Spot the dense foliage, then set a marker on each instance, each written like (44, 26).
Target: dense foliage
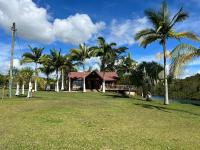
(188, 88)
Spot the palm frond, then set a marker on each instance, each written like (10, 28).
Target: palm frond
(179, 35)
(143, 33)
(153, 17)
(148, 40)
(101, 41)
(179, 17)
(164, 12)
(180, 56)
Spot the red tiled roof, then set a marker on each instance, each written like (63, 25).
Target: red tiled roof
(108, 76)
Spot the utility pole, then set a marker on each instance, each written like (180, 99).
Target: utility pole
(13, 30)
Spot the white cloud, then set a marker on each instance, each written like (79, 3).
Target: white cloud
(195, 62)
(5, 65)
(34, 23)
(124, 32)
(147, 58)
(93, 62)
(76, 29)
(5, 58)
(186, 73)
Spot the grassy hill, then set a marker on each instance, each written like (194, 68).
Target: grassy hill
(90, 121)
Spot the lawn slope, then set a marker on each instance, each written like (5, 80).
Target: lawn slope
(90, 121)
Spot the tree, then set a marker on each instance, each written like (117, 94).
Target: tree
(67, 66)
(56, 59)
(3, 80)
(180, 56)
(79, 56)
(108, 54)
(47, 67)
(126, 65)
(162, 30)
(146, 71)
(25, 75)
(33, 57)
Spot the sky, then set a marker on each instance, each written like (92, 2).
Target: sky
(63, 24)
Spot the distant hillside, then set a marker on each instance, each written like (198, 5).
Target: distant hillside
(188, 88)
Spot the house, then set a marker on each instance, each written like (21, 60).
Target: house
(93, 80)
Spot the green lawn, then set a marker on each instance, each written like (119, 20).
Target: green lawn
(94, 121)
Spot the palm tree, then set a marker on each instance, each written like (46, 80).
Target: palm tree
(47, 67)
(128, 64)
(33, 57)
(108, 54)
(56, 59)
(66, 67)
(25, 76)
(162, 30)
(180, 56)
(79, 56)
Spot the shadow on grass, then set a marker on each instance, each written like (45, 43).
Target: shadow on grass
(116, 95)
(192, 102)
(165, 109)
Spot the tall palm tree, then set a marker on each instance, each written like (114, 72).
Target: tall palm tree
(108, 54)
(79, 56)
(33, 57)
(66, 67)
(162, 30)
(47, 67)
(126, 65)
(180, 56)
(56, 58)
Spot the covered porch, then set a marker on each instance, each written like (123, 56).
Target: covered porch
(91, 81)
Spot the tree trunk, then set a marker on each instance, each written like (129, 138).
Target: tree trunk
(103, 88)
(23, 88)
(36, 77)
(84, 88)
(29, 90)
(47, 85)
(166, 100)
(57, 83)
(17, 89)
(69, 84)
(62, 87)
(103, 85)
(35, 85)
(57, 86)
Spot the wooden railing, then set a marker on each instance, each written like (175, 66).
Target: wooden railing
(120, 87)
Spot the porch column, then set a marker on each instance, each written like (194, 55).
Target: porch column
(84, 89)
(69, 84)
(104, 88)
(62, 86)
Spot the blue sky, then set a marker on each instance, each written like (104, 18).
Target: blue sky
(66, 23)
